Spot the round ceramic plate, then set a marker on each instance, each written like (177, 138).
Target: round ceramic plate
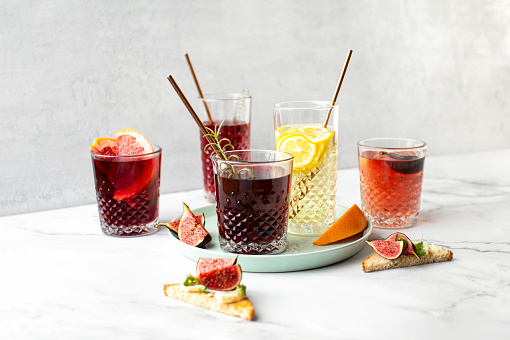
(301, 253)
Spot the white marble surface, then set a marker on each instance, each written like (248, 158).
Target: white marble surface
(63, 279)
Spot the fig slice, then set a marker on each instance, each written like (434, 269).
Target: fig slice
(190, 231)
(174, 226)
(226, 278)
(410, 245)
(205, 264)
(388, 249)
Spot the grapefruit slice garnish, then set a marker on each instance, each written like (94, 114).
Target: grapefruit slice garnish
(104, 146)
(132, 142)
(129, 142)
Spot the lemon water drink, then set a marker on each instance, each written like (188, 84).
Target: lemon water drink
(312, 207)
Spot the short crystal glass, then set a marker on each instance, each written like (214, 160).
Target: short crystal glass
(391, 174)
(299, 125)
(252, 200)
(232, 111)
(127, 192)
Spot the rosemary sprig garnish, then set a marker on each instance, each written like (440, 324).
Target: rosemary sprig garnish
(219, 148)
(215, 135)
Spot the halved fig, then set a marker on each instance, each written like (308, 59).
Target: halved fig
(226, 278)
(388, 249)
(410, 245)
(206, 264)
(190, 231)
(174, 226)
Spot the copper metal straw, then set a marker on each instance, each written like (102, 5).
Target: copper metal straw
(338, 85)
(195, 117)
(198, 88)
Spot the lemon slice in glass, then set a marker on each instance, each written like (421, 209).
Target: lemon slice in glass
(316, 133)
(302, 149)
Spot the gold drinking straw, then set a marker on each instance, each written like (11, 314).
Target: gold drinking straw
(310, 176)
(198, 88)
(338, 85)
(195, 117)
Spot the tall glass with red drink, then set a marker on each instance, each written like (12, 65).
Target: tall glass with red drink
(391, 174)
(252, 200)
(127, 192)
(232, 111)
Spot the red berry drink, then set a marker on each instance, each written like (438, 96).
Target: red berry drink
(252, 201)
(127, 191)
(238, 132)
(391, 187)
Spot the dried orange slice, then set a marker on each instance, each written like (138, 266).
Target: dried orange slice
(104, 146)
(132, 142)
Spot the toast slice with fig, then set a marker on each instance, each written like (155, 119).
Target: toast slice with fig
(242, 309)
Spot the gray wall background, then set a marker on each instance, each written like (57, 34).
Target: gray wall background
(71, 71)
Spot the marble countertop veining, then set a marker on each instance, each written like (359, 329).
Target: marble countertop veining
(63, 279)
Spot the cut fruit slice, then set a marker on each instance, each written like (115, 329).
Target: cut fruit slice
(353, 221)
(410, 245)
(226, 278)
(206, 264)
(316, 134)
(174, 226)
(132, 142)
(191, 231)
(104, 146)
(388, 249)
(303, 150)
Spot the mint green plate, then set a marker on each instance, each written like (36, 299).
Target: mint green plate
(301, 253)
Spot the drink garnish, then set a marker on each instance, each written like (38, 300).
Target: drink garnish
(104, 146)
(132, 142)
(215, 142)
(399, 156)
(307, 143)
(127, 142)
(240, 104)
(409, 163)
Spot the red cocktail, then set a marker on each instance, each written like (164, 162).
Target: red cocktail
(231, 111)
(239, 135)
(127, 191)
(252, 196)
(390, 180)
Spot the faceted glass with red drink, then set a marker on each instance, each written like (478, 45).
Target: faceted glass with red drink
(231, 111)
(127, 192)
(252, 195)
(391, 174)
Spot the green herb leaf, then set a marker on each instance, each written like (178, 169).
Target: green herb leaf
(419, 249)
(242, 288)
(191, 281)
